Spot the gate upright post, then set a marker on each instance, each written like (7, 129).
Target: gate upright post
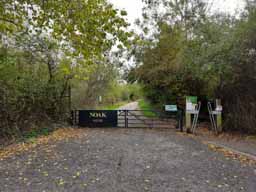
(181, 120)
(126, 118)
(71, 117)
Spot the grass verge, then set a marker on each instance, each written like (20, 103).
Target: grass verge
(147, 108)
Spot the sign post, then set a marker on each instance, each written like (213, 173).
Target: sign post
(173, 109)
(216, 115)
(219, 115)
(191, 102)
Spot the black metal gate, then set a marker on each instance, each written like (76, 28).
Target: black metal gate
(127, 119)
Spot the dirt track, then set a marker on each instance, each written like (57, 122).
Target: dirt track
(130, 106)
(125, 160)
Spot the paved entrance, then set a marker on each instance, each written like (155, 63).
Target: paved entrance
(122, 160)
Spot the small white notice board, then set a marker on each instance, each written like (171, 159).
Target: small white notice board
(171, 108)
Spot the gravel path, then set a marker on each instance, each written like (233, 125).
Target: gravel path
(236, 142)
(130, 106)
(125, 160)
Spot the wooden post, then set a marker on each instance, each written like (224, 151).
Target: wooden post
(188, 122)
(219, 115)
(219, 122)
(191, 101)
(181, 120)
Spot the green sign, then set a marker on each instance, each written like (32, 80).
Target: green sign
(191, 99)
(172, 108)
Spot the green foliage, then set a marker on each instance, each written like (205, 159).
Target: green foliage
(238, 91)
(145, 105)
(36, 133)
(120, 94)
(147, 108)
(164, 75)
(84, 25)
(47, 46)
(193, 53)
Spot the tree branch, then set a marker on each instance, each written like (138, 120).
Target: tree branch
(8, 21)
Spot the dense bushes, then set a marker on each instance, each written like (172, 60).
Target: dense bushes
(48, 46)
(122, 92)
(102, 88)
(199, 54)
(27, 97)
(238, 92)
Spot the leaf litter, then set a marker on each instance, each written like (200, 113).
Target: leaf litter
(58, 135)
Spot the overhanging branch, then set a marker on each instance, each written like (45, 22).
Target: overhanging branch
(8, 21)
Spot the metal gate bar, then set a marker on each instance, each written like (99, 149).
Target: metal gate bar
(132, 119)
(157, 119)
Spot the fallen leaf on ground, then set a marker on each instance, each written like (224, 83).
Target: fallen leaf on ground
(232, 155)
(58, 135)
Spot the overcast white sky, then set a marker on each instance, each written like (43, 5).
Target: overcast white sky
(134, 7)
